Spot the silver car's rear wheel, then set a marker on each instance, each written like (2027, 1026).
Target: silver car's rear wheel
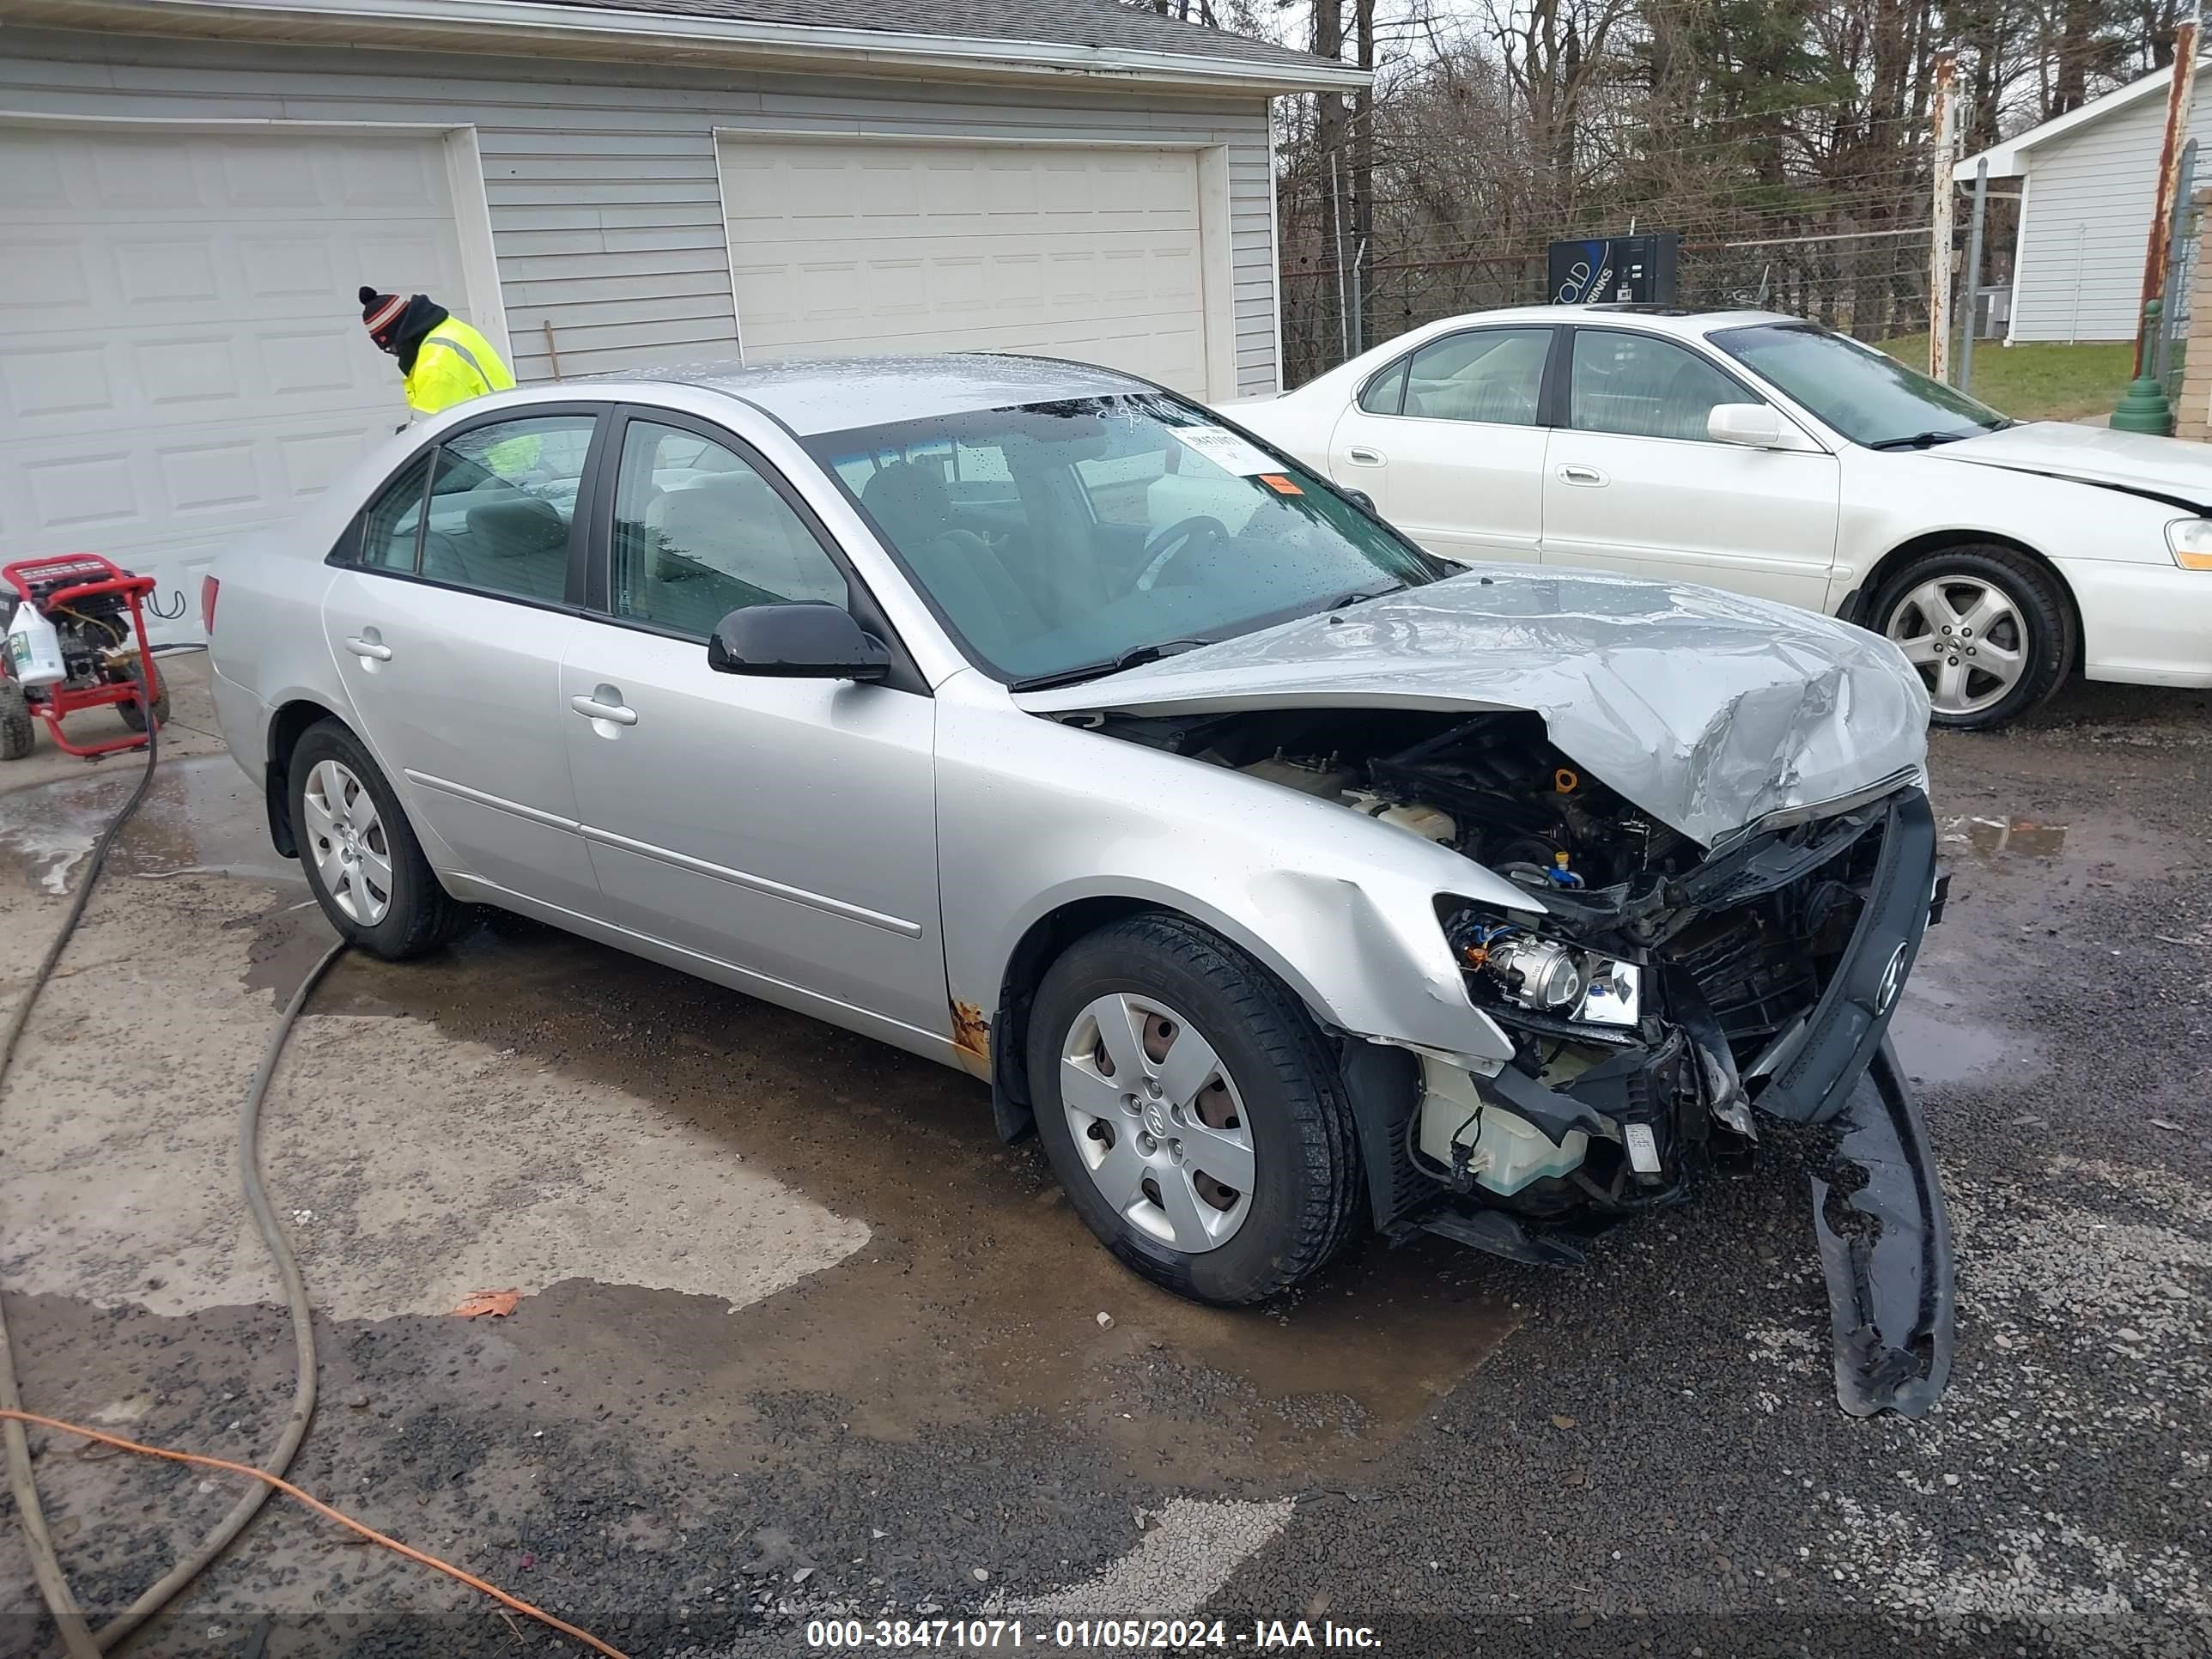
(1157, 1121)
(346, 839)
(359, 853)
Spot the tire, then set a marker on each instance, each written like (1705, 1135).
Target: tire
(18, 735)
(134, 713)
(1928, 600)
(387, 900)
(1275, 1088)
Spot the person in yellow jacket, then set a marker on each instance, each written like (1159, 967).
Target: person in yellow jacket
(444, 361)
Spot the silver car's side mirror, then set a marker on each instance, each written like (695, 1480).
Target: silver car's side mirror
(797, 640)
(1754, 426)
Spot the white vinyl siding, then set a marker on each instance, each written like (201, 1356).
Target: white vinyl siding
(601, 180)
(2080, 262)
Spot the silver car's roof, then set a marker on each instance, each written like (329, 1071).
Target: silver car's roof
(834, 394)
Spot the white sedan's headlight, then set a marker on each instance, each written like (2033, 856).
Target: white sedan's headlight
(2190, 540)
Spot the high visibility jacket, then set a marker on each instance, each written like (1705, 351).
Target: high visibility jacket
(454, 364)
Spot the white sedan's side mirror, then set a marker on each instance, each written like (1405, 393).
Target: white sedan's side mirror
(1755, 426)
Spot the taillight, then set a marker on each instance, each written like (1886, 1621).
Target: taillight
(208, 588)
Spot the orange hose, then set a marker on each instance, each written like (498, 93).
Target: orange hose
(322, 1508)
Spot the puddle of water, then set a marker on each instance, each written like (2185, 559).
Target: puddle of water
(978, 1291)
(200, 816)
(1943, 1037)
(1992, 839)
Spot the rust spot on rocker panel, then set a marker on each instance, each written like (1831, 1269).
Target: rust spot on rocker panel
(971, 1032)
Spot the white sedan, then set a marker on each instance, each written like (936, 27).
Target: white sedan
(1767, 455)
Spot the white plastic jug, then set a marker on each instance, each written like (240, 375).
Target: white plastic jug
(34, 650)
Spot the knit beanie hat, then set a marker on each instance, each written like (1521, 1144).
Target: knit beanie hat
(378, 313)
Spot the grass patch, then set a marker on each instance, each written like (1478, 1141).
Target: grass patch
(2038, 382)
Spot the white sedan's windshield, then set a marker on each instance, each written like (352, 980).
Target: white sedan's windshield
(1866, 395)
(1056, 538)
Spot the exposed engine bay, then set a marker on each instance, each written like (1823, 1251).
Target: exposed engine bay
(1653, 992)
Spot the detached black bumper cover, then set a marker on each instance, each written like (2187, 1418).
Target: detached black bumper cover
(1886, 1248)
(1884, 1239)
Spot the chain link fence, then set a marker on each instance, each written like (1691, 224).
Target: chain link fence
(1870, 284)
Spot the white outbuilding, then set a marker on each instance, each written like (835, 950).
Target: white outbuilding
(2088, 180)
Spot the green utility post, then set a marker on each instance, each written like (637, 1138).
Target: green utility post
(2142, 406)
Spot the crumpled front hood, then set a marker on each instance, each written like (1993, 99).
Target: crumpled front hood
(2132, 460)
(1707, 709)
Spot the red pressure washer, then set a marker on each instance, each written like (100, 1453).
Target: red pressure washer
(107, 660)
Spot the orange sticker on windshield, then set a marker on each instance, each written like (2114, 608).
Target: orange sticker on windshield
(1279, 484)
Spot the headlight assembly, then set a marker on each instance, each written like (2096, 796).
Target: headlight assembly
(1549, 976)
(2190, 543)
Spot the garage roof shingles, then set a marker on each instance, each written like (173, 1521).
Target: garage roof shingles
(1102, 23)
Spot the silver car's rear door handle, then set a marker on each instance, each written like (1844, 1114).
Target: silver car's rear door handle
(1581, 475)
(372, 650)
(615, 710)
(1359, 455)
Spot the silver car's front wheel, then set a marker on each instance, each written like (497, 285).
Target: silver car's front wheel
(1157, 1121)
(346, 839)
(1192, 1110)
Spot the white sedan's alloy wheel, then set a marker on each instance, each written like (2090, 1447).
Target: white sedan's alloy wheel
(1157, 1121)
(346, 839)
(1966, 637)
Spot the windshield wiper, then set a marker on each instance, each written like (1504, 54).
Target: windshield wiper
(1135, 657)
(1920, 441)
(1358, 594)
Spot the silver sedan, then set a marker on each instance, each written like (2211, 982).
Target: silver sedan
(1288, 883)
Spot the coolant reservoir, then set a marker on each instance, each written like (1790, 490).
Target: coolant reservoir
(1429, 822)
(1504, 1151)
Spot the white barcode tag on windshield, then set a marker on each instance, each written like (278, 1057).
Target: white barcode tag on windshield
(1226, 449)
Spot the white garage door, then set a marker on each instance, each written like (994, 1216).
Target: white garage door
(181, 353)
(840, 247)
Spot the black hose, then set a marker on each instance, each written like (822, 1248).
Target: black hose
(78, 1641)
(61, 1601)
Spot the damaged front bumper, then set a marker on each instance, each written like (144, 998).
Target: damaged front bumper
(1886, 1248)
(1763, 979)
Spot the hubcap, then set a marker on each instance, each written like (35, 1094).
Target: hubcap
(1157, 1121)
(345, 838)
(1967, 639)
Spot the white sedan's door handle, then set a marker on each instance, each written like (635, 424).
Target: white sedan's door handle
(1359, 455)
(369, 649)
(606, 705)
(1581, 475)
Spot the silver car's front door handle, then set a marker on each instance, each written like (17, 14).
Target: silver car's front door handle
(1581, 475)
(370, 650)
(613, 710)
(1359, 455)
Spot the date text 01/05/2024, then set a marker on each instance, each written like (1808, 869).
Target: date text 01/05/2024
(1167, 1635)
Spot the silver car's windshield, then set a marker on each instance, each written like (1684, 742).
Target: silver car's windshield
(1062, 538)
(1866, 395)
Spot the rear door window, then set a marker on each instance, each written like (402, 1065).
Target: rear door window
(1493, 375)
(502, 506)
